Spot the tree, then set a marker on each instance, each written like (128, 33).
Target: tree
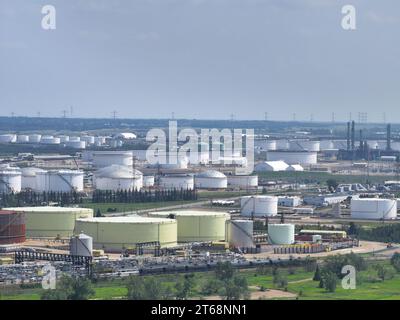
(383, 272)
(395, 261)
(236, 288)
(140, 288)
(279, 280)
(353, 229)
(70, 288)
(212, 286)
(329, 281)
(185, 287)
(317, 274)
(224, 271)
(332, 184)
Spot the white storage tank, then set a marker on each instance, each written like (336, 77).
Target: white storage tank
(99, 141)
(88, 139)
(211, 179)
(265, 145)
(63, 138)
(22, 138)
(293, 157)
(74, 138)
(326, 145)
(81, 245)
(259, 206)
(8, 138)
(340, 144)
(182, 181)
(76, 144)
(116, 177)
(240, 233)
(50, 140)
(242, 182)
(10, 180)
(148, 181)
(60, 181)
(103, 159)
(373, 208)
(282, 144)
(29, 178)
(304, 145)
(35, 138)
(281, 234)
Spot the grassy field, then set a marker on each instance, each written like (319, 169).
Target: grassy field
(299, 282)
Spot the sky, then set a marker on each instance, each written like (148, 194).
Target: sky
(201, 59)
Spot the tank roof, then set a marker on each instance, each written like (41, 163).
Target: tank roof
(48, 209)
(132, 219)
(210, 174)
(190, 213)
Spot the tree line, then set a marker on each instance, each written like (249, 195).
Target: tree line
(31, 198)
(134, 196)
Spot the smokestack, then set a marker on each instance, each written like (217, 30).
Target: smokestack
(348, 136)
(388, 137)
(353, 135)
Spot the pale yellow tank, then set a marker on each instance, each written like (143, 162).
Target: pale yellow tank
(197, 226)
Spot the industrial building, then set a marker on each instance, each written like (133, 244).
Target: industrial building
(197, 226)
(121, 233)
(289, 201)
(277, 165)
(51, 222)
(259, 206)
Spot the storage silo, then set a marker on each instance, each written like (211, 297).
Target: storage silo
(12, 227)
(373, 208)
(242, 182)
(117, 177)
(60, 181)
(259, 206)
(81, 245)
(8, 138)
(265, 145)
(35, 138)
(240, 233)
(50, 140)
(103, 159)
(51, 222)
(115, 234)
(148, 181)
(63, 138)
(210, 179)
(29, 177)
(281, 234)
(293, 157)
(88, 139)
(76, 144)
(22, 138)
(196, 225)
(178, 181)
(10, 179)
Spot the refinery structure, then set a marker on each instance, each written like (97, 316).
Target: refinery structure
(97, 197)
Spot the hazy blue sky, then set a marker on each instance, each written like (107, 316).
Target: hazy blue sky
(201, 59)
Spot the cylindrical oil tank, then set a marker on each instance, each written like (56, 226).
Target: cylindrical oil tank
(326, 145)
(8, 138)
(210, 179)
(115, 234)
(242, 182)
(76, 144)
(50, 140)
(116, 177)
(148, 181)
(183, 181)
(373, 208)
(240, 233)
(372, 144)
(51, 222)
(81, 245)
(99, 141)
(293, 157)
(197, 226)
(12, 227)
(265, 145)
(10, 180)
(60, 181)
(64, 138)
(103, 159)
(88, 139)
(75, 138)
(29, 178)
(304, 145)
(22, 138)
(259, 206)
(35, 138)
(282, 144)
(281, 234)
